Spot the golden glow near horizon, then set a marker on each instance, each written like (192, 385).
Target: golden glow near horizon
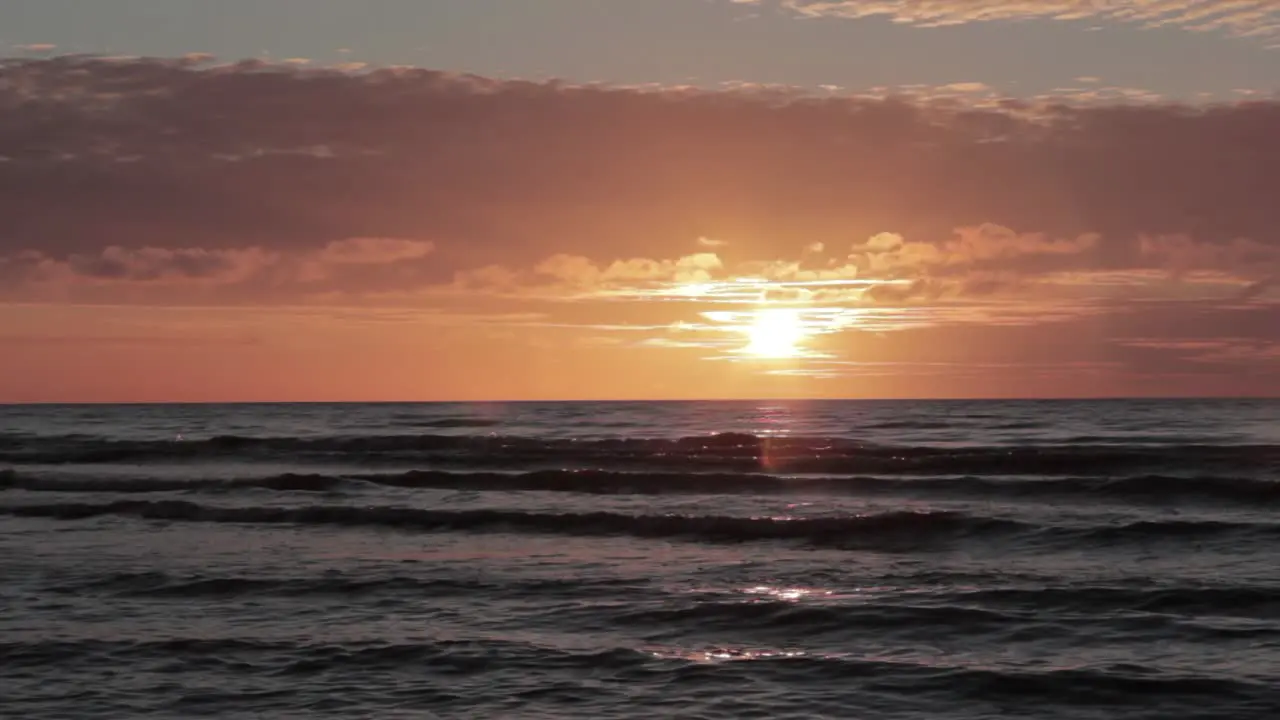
(784, 316)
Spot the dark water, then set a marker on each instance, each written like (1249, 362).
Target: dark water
(910, 560)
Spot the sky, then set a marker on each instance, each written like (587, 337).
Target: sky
(290, 200)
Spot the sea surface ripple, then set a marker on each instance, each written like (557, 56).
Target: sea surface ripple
(955, 560)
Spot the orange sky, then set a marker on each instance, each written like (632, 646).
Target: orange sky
(412, 235)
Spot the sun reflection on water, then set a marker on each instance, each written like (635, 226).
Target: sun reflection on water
(789, 594)
(727, 654)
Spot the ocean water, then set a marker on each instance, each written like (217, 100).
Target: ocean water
(615, 560)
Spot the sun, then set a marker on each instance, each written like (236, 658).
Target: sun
(775, 334)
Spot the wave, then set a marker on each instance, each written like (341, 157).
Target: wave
(816, 618)
(902, 530)
(299, 482)
(878, 530)
(931, 600)
(445, 423)
(162, 585)
(994, 624)
(910, 425)
(1141, 488)
(929, 680)
(719, 453)
(1252, 601)
(1105, 685)
(913, 600)
(284, 657)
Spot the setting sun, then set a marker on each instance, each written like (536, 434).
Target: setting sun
(775, 334)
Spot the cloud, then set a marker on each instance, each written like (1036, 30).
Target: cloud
(1257, 289)
(1213, 350)
(568, 277)
(1235, 17)
(986, 278)
(987, 246)
(186, 153)
(980, 261)
(240, 273)
(342, 256)
(146, 265)
(373, 251)
(1180, 253)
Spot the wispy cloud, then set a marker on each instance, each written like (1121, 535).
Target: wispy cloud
(1235, 17)
(1214, 350)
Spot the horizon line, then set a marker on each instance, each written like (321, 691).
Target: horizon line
(602, 401)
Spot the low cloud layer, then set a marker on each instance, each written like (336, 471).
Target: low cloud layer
(184, 275)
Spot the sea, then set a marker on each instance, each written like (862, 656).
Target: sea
(835, 559)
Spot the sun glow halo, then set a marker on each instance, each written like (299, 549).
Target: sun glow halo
(775, 334)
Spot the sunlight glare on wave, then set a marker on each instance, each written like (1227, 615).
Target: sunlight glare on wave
(731, 654)
(789, 594)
